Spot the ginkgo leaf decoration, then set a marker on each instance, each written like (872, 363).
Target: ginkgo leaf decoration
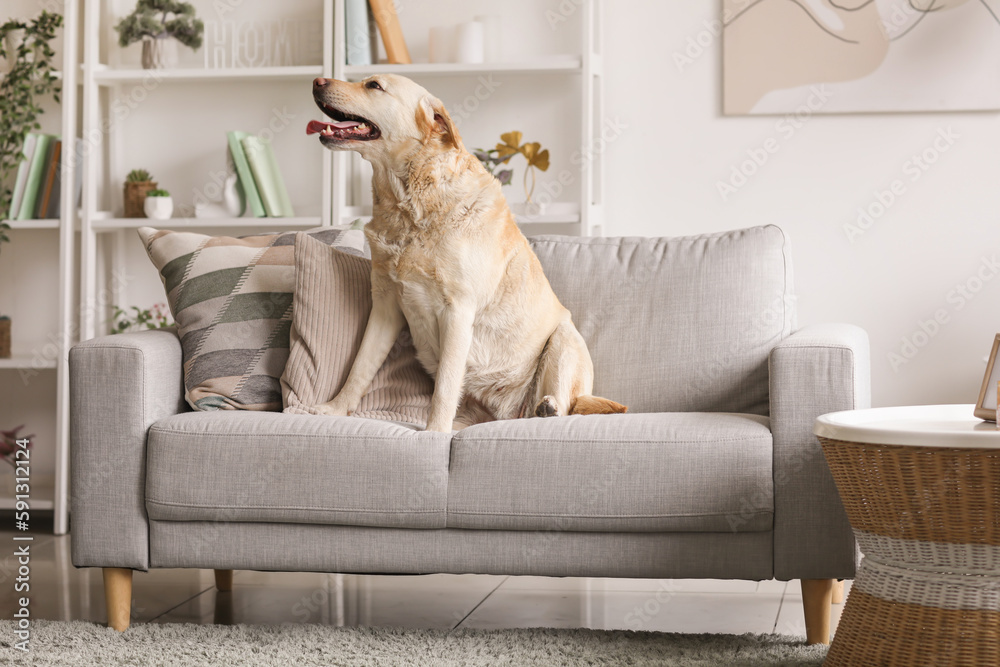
(536, 158)
(509, 146)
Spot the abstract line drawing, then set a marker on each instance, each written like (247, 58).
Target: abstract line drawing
(869, 55)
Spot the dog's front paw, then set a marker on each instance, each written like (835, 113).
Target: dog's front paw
(332, 409)
(547, 407)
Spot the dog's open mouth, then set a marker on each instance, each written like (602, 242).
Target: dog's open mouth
(345, 127)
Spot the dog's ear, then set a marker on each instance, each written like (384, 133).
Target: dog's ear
(435, 123)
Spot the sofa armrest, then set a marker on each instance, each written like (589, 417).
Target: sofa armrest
(818, 369)
(119, 386)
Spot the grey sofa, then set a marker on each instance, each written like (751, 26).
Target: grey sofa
(714, 473)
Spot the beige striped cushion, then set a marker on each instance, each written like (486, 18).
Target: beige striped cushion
(332, 303)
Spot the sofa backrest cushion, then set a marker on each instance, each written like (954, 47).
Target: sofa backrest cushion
(680, 324)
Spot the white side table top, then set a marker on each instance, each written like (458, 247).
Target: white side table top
(950, 426)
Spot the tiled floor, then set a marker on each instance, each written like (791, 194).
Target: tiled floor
(60, 591)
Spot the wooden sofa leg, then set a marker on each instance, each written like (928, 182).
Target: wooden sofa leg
(838, 592)
(817, 595)
(224, 580)
(118, 597)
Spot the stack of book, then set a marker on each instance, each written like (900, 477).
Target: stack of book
(258, 176)
(37, 187)
(361, 17)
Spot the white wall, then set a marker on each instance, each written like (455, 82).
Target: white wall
(942, 232)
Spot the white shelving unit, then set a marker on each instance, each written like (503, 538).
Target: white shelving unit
(107, 240)
(39, 358)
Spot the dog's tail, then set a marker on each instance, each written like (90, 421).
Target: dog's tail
(595, 405)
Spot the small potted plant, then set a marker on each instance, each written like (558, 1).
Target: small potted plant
(4, 337)
(159, 25)
(159, 205)
(138, 184)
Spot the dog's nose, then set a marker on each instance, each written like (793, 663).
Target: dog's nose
(320, 82)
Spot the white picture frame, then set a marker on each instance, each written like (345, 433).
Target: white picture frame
(986, 406)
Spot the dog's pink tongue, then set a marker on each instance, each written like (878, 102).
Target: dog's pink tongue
(316, 126)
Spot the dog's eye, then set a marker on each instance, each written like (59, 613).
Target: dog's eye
(373, 85)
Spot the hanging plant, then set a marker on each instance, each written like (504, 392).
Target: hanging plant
(29, 81)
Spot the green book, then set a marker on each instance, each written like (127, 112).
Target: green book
(27, 154)
(244, 176)
(267, 176)
(33, 185)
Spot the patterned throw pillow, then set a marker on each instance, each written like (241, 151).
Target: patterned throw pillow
(333, 298)
(232, 301)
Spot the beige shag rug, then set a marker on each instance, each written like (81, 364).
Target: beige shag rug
(70, 644)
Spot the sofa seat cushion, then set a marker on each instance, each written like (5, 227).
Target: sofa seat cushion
(700, 472)
(242, 466)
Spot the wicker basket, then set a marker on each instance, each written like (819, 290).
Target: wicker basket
(135, 197)
(4, 339)
(928, 522)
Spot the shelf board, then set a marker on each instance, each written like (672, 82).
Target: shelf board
(548, 219)
(113, 76)
(26, 362)
(55, 73)
(42, 492)
(547, 64)
(107, 224)
(46, 223)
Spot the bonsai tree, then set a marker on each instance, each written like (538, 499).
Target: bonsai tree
(30, 80)
(158, 18)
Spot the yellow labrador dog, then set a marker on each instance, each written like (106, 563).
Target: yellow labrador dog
(449, 260)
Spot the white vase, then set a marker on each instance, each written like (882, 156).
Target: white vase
(159, 52)
(231, 199)
(158, 208)
(469, 42)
